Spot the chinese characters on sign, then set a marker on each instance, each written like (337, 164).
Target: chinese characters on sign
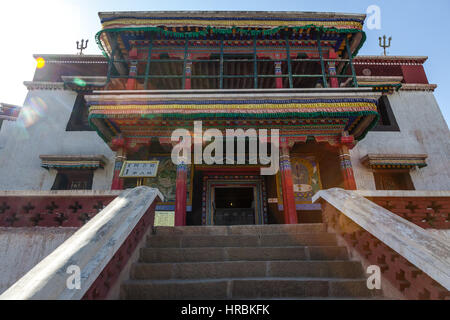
(139, 169)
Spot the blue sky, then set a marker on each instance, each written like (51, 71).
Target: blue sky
(417, 27)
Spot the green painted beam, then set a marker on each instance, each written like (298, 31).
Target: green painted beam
(322, 63)
(149, 58)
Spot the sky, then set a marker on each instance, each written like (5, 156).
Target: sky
(417, 28)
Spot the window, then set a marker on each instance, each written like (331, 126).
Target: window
(393, 180)
(79, 118)
(387, 120)
(73, 180)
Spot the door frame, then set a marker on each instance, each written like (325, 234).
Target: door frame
(241, 181)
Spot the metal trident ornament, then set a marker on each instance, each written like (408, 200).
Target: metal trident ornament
(384, 45)
(82, 46)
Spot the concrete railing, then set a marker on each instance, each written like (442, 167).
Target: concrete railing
(96, 250)
(428, 253)
(427, 209)
(55, 208)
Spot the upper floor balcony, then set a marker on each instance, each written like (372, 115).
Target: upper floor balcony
(229, 50)
(255, 63)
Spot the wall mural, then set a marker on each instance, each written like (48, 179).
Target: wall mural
(165, 181)
(306, 180)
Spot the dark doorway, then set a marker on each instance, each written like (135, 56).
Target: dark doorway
(73, 180)
(234, 206)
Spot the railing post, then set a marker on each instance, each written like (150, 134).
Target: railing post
(289, 64)
(149, 58)
(322, 64)
(255, 64)
(289, 208)
(221, 64)
(111, 62)
(352, 67)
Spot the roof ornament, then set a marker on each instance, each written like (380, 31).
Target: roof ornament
(82, 46)
(384, 45)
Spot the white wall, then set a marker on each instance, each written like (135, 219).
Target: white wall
(41, 129)
(23, 248)
(423, 130)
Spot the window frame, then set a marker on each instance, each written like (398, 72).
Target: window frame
(79, 113)
(393, 125)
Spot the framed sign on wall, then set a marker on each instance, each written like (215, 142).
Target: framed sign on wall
(139, 169)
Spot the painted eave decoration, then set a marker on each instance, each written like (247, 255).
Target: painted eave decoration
(234, 24)
(148, 116)
(88, 162)
(394, 161)
(9, 111)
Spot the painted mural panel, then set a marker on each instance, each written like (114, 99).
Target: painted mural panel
(305, 177)
(165, 181)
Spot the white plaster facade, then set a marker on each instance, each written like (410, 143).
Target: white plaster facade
(46, 113)
(41, 129)
(423, 130)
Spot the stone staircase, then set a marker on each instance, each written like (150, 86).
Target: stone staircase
(245, 262)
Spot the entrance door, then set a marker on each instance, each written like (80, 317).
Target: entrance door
(234, 206)
(234, 199)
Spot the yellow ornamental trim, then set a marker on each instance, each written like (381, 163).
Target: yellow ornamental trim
(343, 105)
(231, 23)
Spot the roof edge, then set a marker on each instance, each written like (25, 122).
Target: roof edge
(249, 14)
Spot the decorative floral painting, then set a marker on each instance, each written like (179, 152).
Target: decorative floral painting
(305, 178)
(165, 179)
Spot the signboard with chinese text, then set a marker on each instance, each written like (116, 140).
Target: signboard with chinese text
(139, 169)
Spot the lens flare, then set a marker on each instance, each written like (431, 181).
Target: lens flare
(34, 110)
(79, 82)
(40, 62)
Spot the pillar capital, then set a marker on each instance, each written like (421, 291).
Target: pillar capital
(117, 143)
(347, 140)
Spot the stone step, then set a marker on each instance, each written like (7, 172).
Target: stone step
(241, 230)
(247, 269)
(265, 288)
(264, 240)
(246, 253)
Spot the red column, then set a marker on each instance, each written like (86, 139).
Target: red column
(290, 212)
(332, 69)
(181, 195)
(117, 182)
(346, 163)
(132, 82)
(279, 80)
(188, 73)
